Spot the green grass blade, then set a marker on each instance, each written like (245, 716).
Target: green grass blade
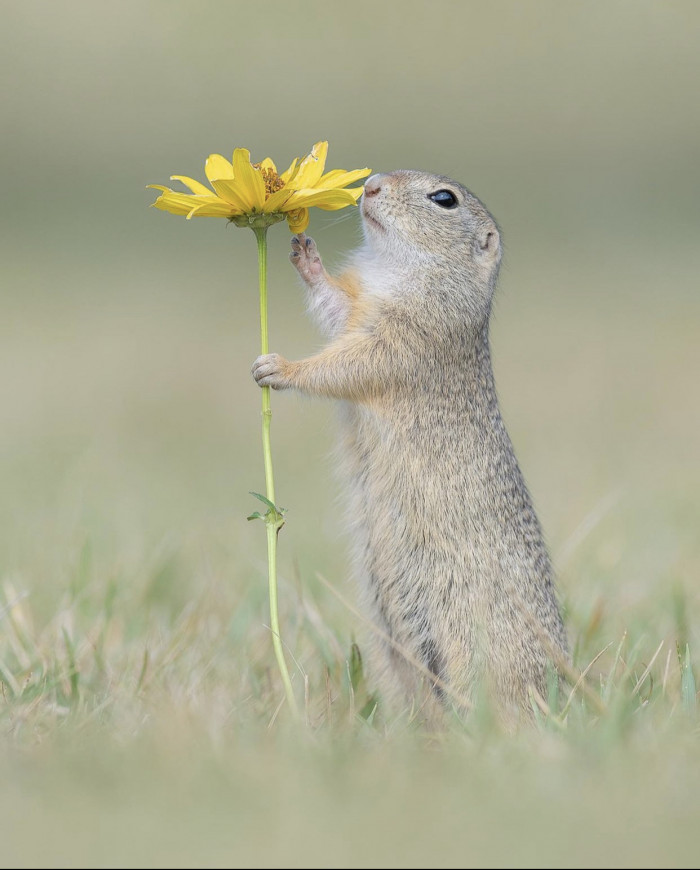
(688, 688)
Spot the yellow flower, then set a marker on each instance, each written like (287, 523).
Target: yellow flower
(253, 194)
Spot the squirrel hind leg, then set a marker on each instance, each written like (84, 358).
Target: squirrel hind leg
(406, 689)
(435, 664)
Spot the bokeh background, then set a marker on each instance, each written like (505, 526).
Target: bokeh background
(129, 436)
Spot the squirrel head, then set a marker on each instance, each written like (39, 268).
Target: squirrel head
(416, 219)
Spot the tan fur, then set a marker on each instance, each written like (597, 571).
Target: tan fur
(447, 544)
(349, 284)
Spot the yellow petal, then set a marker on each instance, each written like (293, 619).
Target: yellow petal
(355, 191)
(298, 220)
(229, 190)
(268, 164)
(326, 199)
(312, 166)
(276, 201)
(341, 178)
(194, 185)
(289, 173)
(331, 205)
(213, 209)
(169, 200)
(217, 167)
(249, 181)
(173, 208)
(186, 203)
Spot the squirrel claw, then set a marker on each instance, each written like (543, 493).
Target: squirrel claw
(305, 258)
(269, 371)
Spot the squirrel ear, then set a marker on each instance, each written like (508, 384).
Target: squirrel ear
(488, 241)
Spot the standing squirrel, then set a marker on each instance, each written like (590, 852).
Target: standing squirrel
(456, 574)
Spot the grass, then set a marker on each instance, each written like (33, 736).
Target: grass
(105, 659)
(137, 730)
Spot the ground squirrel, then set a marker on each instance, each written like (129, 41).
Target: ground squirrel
(455, 571)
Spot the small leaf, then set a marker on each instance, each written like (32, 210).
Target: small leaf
(273, 516)
(264, 500)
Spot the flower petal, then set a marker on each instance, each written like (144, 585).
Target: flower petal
(174, 208)
(240, 188)
(326, 199)
(341, 178)
(249, 181)
(213, 209)
(312, 166)
(291, 172)
(355, 191)
(298, 220)
(217, 167)
(276, 201)
(185, 203)
(194, 185)
(229, 190)
(169, 200)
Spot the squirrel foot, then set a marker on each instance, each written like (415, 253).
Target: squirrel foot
(269, 370)
(305, 258)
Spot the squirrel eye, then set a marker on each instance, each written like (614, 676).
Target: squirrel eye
(445, 198)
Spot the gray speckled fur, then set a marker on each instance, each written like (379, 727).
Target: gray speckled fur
(447, 543)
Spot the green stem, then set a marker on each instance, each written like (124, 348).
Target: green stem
(273, 520)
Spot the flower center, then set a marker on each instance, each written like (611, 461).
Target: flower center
(273, 182)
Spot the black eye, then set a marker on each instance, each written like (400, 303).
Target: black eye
(445, 198)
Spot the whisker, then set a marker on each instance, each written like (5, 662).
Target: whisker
(332, 222)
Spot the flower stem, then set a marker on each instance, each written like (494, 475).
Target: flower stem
(273, 518)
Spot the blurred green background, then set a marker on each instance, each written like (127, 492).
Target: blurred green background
(130, 435)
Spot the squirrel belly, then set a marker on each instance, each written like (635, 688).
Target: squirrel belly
(449, 551)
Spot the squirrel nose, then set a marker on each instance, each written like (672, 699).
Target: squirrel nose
(373, 185)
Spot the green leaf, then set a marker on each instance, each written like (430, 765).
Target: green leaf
(73, 674)
(264, 500)
(355, 669)
(273, 516)
(369, 709)
(553, 688)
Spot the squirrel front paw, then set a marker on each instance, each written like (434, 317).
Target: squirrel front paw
(305, 258)
(270, 370)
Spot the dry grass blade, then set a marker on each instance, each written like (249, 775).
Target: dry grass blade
(273, 718)
(579, 682)
(544, 708)
(607, 691)
(561, 662)
(640, 681)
